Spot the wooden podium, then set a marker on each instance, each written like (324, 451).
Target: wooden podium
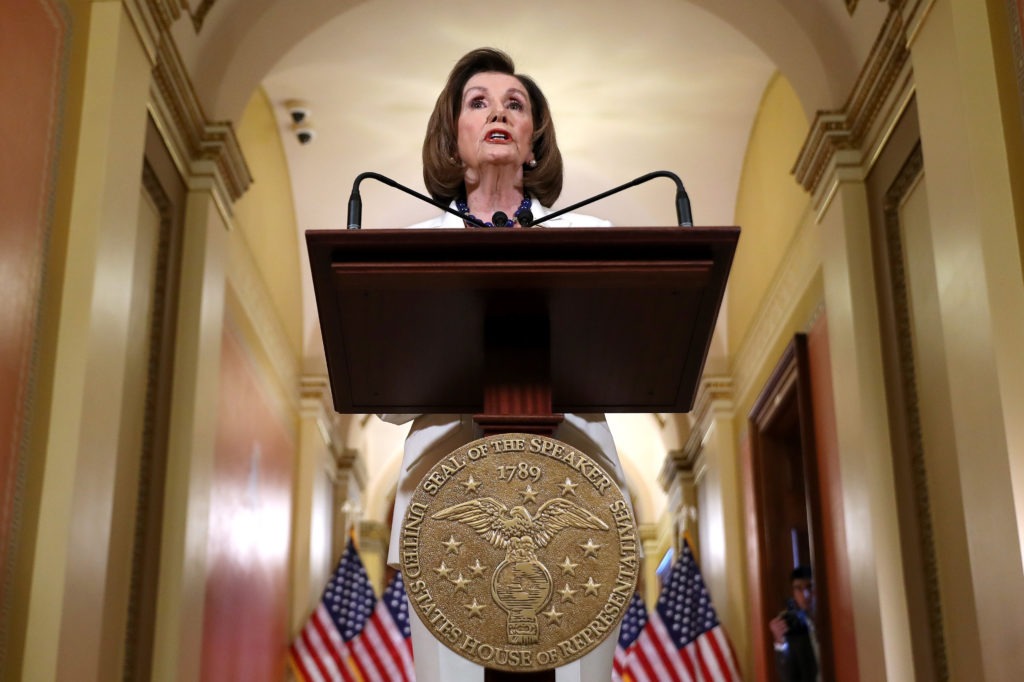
(518, 326)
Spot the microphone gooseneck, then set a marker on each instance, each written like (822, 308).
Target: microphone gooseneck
(355, 207)
(683, 212)
(355, 203)
(524, 216)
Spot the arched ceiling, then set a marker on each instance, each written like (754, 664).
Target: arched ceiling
(634, 87)
(652, 84)
(664, 85)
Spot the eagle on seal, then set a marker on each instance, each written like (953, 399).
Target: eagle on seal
(510, 529)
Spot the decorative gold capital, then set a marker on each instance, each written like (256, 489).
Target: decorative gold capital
(856, 125)
(206, 152)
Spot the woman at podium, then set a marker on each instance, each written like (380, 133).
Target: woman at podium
(490, 152)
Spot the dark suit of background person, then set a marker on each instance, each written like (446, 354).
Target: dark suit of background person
(793, 630)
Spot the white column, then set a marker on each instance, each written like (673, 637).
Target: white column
(177, 649)
(92, 265)
(313, 501)
(874, 553)
(976, 481)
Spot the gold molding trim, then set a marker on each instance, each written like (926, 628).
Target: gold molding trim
(153, 20)
(147, 25)
(648, 532)
(166, 12)
(795, 274)
(206, 152)
(714, 396)
(205, 149)
(849, 128)
(218, 145)
(199, 15)
(375, 531)
(1017, 38)
(907, 178)
(675, 462)
(914, 14)
(904, 94)
(149, 476)
(699, 466)
(348, 461)
(314, 394)
(315, 404)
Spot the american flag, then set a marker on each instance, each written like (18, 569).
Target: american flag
(387, 638)
(632, 625)
(350, 637)
(683, 640)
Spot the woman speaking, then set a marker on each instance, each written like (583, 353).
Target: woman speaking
(490, 152)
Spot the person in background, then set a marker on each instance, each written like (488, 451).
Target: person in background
(796, 646)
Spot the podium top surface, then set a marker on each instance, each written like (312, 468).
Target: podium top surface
(627, 313)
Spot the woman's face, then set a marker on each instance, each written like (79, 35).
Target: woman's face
(495, 122)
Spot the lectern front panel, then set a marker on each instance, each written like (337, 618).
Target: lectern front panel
(629, 313)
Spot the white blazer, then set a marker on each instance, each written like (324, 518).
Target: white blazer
(433, 436)
(566, 220)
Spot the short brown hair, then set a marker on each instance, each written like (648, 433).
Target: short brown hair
(443, 173)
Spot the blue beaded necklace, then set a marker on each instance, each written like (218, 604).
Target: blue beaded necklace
(463, 208)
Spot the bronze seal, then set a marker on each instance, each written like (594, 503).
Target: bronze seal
(519, 552)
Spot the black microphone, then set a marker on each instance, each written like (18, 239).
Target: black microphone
(524, 216)
(355, 202)
(683, 212)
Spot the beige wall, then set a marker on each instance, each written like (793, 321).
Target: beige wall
(876, 571)
(720, 520)
(313, 508)
(182, 578)
(769, 205)
(964, 263)
(774, 291)
(265, 271)
(266, 217)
